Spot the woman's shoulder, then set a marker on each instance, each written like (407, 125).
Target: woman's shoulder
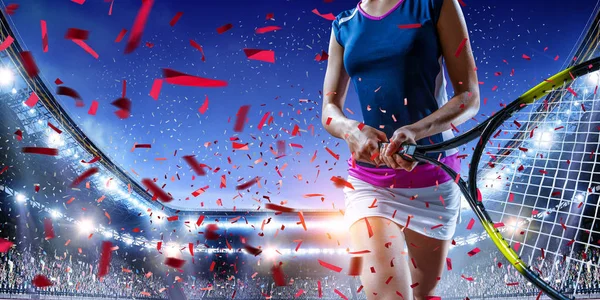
(345, 15)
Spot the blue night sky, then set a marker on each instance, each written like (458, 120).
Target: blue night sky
(500, 30)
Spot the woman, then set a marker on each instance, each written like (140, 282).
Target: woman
(404, 213)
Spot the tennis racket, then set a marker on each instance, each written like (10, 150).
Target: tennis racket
(533, 176)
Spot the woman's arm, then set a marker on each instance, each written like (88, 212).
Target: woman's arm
(363, 143)
(452, 30)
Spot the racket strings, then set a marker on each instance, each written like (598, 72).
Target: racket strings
(539, 179)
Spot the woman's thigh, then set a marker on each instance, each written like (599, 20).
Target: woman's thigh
(385, 273)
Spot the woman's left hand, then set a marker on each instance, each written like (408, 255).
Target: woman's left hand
(390, 154)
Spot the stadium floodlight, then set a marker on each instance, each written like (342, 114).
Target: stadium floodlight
(20, 197)
(55, 140)
(6, 76)
(172, 251)
(54, 214)
(14, 91)
(85, 226)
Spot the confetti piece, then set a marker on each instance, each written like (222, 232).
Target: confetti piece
(124, 106)
(105, 257)
(80, 2)
(275, 207)
(526, 57)
(156, 191)
(199, 48)
(29, 64)
(195, 165)
(263, 120)
(156, 87)
(5, 245)
(48, 229)
(32, 100)
(210, 232)
(176, 18)
(449, 263)
(473, 252)
(87, 48)
(261, 55)
(410, 26)
(336, 156)
(6, 43)
(77, 34)
(11, 8)
(252, 250)
(41, 281)
(328, 16)
(178, 78)
(355, 266)
(121, 35)
(340, 294)
(460, 47)
(241, 118)
(224, 28)
(40, 150)
(471, 223)
(278, 276)
(93, 108)
(247, 184)
(323, 56)
(369, 228)
(329, 266)
(138, 26)
(44, 35)
(69, 92)
(174, 262)
(85, 175)
(267, 29)
(340, 182)
(204, 106)
(301, 216)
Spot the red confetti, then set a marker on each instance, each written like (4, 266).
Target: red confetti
(6, 43)
(449, 263)
(156, 87)
(29, 64)
(124, 106)
(460, 47)
(474, 251)
(322, 57)
(19, 135)
(329, 266)
(138, 26)
(210, 233)
(340, 182)
(204, 106)
(89, 172)
(32, 100)
(328, 16)
(11, 8)
(247, 184)
(336, 156)
(176, 18)
(195, 165)
(178, 78)
(369, 228)
(197, 46)
(40, 150)
(156, 191)
(48, 229)
(279, 208)
(77, 34)
(5, 245)
(241, 118)
(200, 220)
(267, 29)
(410, 26)
(252, 250)
(93, 108)
(471, 223)
(261, 55)
(44, 35)
(174, 262)
(526, 57)
(278, 276)
(340, 294)
(69, 92)
(121, 35)
(87, 48)
(105, 257)
(41, 281)
(224, 28)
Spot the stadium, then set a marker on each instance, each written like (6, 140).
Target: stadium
(78, 223)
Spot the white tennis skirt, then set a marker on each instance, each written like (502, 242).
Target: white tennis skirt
(433, 211)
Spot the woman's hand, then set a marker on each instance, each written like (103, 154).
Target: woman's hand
(364, 143)
(389, 152)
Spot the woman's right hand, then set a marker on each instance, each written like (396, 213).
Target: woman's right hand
(364, 143)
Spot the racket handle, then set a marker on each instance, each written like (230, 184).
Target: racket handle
(406, 151)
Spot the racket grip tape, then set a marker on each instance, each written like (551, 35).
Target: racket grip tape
(406, 151)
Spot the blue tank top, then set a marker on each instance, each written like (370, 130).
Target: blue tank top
(395, 64)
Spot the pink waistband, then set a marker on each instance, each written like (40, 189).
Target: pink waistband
(424, 175)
